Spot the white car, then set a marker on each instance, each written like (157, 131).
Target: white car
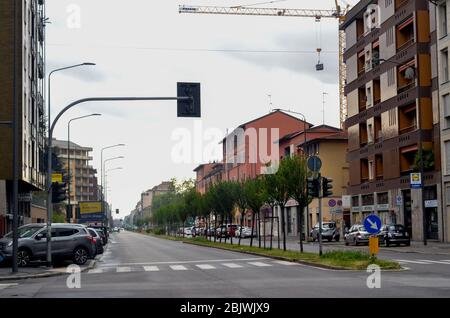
(188, 231)
(246, 232)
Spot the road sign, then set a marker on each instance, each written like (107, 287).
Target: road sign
(57, 178)
(415, 180)
(399, 200)
(314, 163)
(346, 201)
(373, 245)
(372, 223)
(332, 203)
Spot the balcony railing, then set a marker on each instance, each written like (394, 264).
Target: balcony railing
(407, 129)
(405, 87)
(406, 44)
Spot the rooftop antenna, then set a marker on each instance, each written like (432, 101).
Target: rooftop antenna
(270, 102)
(323, 107)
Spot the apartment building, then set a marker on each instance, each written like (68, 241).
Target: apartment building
(207, 174)
(391, 90)
(22, 71)
(148, 196)
(330, 145)
(443, 43)
(83, 180)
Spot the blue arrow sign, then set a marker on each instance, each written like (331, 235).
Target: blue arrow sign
(372, 223)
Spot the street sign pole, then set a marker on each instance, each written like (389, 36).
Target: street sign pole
(320, 214)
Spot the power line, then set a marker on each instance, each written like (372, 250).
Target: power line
(194, 49)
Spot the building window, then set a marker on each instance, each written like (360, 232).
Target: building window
(387, 3)
(447, 157)
(391, 77)
(446, 102)
(443, 19)
(444, 65)
(371, 170)
(447, 195)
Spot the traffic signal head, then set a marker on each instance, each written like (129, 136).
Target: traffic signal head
(58, 192)
(313, 187)
(188, 107)
(327, 187)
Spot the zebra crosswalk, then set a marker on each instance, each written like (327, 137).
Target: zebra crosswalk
(188, 267)
(424, 261)
(4, 286)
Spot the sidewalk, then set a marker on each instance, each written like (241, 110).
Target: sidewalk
(292, 243)
(38, 271)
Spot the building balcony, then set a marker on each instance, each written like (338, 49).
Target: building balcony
(405, 87)
(407, 129)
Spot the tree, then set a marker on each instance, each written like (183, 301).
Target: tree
(241, 202)
(277, 187)
(255, 196)
(296, 180)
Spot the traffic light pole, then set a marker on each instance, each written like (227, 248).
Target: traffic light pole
(320, 214)
(50, 150)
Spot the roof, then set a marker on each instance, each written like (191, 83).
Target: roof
(312, 129)
(266, 115)
(355, 11)
(342, 135)
(63, 144)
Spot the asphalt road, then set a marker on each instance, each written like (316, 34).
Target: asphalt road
(136, 265)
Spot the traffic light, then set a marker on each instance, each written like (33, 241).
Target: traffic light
(190, 107)
(58, 192)
(313, 187)
(327, 187)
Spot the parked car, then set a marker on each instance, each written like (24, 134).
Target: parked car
(187, 231)
(246, 232)
(394, 234)
(357, 235)
(210, 231)
(329, 232)
(98, 240)
(103, 231)
(69, 241)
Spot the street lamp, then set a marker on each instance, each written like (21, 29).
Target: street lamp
(101, 167)
(69, 207)
(104, 178)
(304, 153)
(106, 184)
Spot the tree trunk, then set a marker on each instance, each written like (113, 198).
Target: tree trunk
(300, 224)
(253, 227)
(271, 230)
(215, 228)
(259, 229)
(225, 219)
(240, 231)
(231, 232)
(283, 229)
(264, 229)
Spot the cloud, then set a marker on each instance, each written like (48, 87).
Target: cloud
(296, 52)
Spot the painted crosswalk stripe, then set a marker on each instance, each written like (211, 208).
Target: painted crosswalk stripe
(436, 262)
(259, 264)
(412, 262)
(151, 268)
(232, 265)
(205, 266)
(178, 267)
(4, 286)
(285, 263)
(96, 271)
(124, 269)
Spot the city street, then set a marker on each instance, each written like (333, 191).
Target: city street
(136, 265)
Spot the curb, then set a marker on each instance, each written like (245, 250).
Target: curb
(321, 266)
(47, 273)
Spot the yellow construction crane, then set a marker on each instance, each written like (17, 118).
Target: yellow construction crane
(336, 13)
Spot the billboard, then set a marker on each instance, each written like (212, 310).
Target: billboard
(90, 211)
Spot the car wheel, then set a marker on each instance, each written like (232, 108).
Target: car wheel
(346, 243)
(337, 239)
(386, 242)
(23, 258)
(356, 242)
(80, 256)
(408, 244)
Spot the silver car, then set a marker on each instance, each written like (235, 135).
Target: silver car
(69, 241)
(357, 235)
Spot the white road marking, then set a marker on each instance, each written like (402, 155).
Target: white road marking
(232, 265)
(4, 286)
(205, 266)
(124, 269)
(412, 262)
(95, 271)
(285, 263)
(187, 262)
(259, 264)
(178, 267)
(151, 268)
(437, 262)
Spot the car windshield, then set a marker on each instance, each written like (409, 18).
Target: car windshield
(328, 225)
(26, 231)
(396, 228)
(362, 229)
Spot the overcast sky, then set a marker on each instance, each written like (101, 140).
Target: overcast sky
(143, 47)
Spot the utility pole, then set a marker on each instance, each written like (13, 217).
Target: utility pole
(320, 214)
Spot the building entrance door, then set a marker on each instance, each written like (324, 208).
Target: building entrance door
(407, 211)
(431, 219)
